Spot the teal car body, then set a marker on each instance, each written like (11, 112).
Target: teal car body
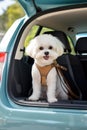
(16, 116)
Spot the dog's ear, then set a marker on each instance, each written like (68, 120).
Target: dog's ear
(30, 49)
(60, 51)
(60, 48)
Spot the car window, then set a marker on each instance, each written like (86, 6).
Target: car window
(33, 32)
(44, 29)
(71, 45)
(81, 35)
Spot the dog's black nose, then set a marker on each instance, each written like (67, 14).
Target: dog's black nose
(46, 53)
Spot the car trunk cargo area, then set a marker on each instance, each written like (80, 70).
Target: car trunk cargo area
(20, 87)
(20, 79)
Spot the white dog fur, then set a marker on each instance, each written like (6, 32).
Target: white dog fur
(37, 49)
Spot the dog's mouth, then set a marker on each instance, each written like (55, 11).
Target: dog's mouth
(46, 57)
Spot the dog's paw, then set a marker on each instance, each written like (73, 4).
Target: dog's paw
(33, 98)
(51, 100)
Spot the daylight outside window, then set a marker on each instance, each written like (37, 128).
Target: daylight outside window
(10, 10)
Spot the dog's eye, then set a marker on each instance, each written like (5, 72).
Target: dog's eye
(50, 47)
(41, 48)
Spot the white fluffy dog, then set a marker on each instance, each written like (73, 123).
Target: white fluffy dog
(45, 49)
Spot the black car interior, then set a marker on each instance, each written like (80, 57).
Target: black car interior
(20, 86)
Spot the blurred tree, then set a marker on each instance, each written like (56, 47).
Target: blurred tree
(3, 20)
(12, 13)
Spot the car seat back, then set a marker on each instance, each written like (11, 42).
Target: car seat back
(81, 51)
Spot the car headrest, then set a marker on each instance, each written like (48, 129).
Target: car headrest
(62, 37)
(81, 45)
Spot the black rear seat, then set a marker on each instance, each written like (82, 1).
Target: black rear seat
(81, 50)
(81, 46)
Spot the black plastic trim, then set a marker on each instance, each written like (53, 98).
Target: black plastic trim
(63, 104)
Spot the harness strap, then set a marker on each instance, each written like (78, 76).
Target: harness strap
(70, 93)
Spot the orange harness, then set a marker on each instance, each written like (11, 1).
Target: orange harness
(46, 69)
(44, 72)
